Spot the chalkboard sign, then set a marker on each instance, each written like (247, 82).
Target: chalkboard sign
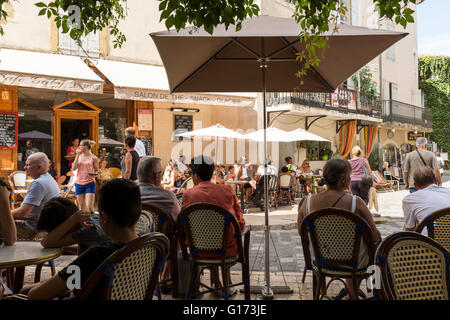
(182, 124)
(8, 130)
(148, 145)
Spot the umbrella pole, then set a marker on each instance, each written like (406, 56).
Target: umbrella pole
(267, 292)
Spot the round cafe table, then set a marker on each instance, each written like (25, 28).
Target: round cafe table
(22, 254)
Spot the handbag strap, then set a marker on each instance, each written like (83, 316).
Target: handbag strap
(421, 158)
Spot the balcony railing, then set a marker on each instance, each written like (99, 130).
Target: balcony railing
(406, 113)
(343, 100)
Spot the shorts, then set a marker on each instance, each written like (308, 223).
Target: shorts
(83, 189)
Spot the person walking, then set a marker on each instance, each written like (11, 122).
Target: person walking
(420, 158)
(130, 159)
(87, 165)
(360, 167)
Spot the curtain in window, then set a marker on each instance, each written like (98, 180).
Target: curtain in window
(370, 135)
(346, 137)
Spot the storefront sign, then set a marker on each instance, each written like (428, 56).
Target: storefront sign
(188, 98)
(8, 130)
(413, 136)
(43, 82)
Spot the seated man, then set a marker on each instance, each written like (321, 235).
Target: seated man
(149, 173)
(42, 189)
(119, 204)
(428, 199)
(202, 169)
(257, 194)
(66, 226)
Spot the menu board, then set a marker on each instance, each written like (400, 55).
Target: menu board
(182, 124)
(148, 145)
(8, 130)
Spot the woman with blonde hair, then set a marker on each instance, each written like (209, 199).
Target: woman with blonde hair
(86, 164)
(359, 184)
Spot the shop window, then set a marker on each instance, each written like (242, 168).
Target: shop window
(390, 53)
(90, 45)
(317, 150)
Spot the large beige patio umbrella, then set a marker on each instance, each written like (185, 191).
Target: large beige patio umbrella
(262, 57)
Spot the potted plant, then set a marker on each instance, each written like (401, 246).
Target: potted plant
(325, 153)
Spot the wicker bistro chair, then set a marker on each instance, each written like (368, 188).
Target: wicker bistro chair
(130, 273)
(164, 223)
(18, 186)
(285, 188)
(438, 227)
(145, 223)
(179, 199)
(335, 236)
(413, 267)
(203, 228)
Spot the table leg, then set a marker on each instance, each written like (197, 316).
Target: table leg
(18, 279)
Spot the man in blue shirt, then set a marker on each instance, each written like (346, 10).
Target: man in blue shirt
(42, 189)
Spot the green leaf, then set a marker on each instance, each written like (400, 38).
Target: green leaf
(408, 11)
(40, 5)
(42, 12)
(409, 18)
(162, 5)
(169, 22)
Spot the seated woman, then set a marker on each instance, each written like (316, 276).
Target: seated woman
(66, 226)
(105, 174)
(231, 175)
(336, 176)
(219, 175)
(303, 172)
(8, 232)
(119, 204)
(55, 172)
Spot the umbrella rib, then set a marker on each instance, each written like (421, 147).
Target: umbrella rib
(243, 46)
(289, 45)
(201, 67)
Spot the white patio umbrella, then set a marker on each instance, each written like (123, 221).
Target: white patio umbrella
(216, 131)
(272, 134)
(303, 135)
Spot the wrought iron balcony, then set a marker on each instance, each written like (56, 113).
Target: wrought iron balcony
(343, 100)
(406, 113)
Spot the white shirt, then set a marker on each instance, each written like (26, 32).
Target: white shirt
(139, 148)
(420, 204)
(271, 170)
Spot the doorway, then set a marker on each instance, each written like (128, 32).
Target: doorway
(70, 129)
(74, 118)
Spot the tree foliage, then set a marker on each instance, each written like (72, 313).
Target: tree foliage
(367, 86)
(434, 81)
(314, 16)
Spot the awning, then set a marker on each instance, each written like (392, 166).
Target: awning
(47, 71)
(149, 83)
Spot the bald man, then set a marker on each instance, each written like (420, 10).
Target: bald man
(42, 189)
(427, 199)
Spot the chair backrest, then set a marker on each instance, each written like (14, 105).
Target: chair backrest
(132, 272)
(438, 227)
(413, 267)
(162, 221)
(71, 185)
(19, 179)
(285, 180)
(145, 223)
(179, 199)
(336, 236)
(115, 172)
(205, 228)
(273, 182)
(378, 177)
